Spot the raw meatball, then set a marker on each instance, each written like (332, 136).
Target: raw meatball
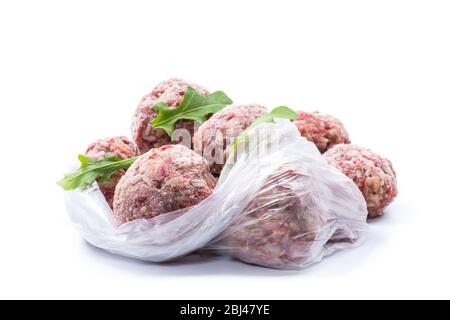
(373, 174)
(323, 130)
(278, 227)
(171, 92)
(218, 132)
(121, 147)
(162, 180)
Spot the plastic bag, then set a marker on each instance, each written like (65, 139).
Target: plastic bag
(279, 205)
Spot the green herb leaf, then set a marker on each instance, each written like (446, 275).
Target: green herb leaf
(90, 170)
(269, 117)
(193, 107)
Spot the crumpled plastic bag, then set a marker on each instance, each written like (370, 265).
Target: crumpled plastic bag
(278, 205)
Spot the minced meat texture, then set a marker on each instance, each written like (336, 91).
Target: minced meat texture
(171, 92)
(323, 130)
(374, 175)
(162, 180)
(121, 147)
(218, 132)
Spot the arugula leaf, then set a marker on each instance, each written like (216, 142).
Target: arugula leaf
(193, 107)
(91, 170)
(269, 117)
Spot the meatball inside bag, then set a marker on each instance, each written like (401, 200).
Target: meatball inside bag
(278, 205)
(302, 211)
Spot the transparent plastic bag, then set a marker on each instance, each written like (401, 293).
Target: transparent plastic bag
(278, 205)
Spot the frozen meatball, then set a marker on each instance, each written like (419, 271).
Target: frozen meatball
(121, 147)
(323, 130)
(279, 226)
(218, 132)
(170, 92)
(162, 180)
(373, 174)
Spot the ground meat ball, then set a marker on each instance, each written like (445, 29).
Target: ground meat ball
(215, 135)
(323, 130)
(171, 92)
(121, 147)
(373, 174)
(278, 227)
(164, 179)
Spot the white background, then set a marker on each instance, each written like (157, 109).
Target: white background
(73, 71)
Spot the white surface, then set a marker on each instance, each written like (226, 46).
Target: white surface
(73, 71)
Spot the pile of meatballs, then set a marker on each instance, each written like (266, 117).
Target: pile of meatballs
(169, 176)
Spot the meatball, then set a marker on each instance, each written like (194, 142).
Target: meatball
(121, 147)
(218, 132)
(171, 92)
(323, 130)
(279, 226)
(373, 174)
(162, 180)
